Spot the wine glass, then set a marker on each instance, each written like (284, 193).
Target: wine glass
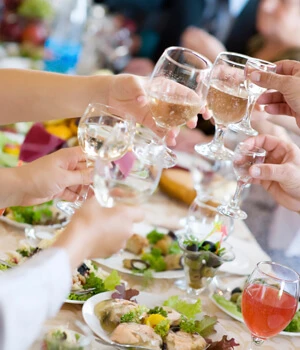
(134, 177)
(104, 132)
(254, 91)
(226, 100)
(244, 157)
(177, 90)
(269, 300)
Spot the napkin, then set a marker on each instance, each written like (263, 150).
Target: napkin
(38, 142)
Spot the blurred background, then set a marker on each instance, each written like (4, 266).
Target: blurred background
(88, 37)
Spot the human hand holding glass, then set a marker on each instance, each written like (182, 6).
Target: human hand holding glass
(104, 132)
(177, 90)
(244, 157)
(226, 101)
(269, 300)
(254, 91)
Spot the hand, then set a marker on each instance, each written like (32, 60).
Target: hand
(287, 81)
(127, 92)
(200, 41)
(280, 174)
(60, 174)
(97, 232)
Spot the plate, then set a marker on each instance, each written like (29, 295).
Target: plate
(148, 299)
(240, 318)
(116, 262)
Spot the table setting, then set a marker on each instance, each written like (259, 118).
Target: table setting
(192, 274)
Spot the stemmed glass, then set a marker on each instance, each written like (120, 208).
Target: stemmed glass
(244, 157)
(177, 90)
(226, 101)
(269, 300)
(134, 177)
(103, 132)
(254, 91)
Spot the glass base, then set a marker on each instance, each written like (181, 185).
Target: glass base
(68, 208)
(211, 151)
(243, 127)
(181, 283)
(170, 159)
(237, 214)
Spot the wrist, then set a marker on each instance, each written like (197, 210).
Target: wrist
(98, 88)
(11, 187)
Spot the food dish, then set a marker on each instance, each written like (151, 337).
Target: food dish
(231, 311)
(144, 299)
(38, 217)
(116, 262)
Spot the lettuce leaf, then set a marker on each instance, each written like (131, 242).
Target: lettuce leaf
(228, 305)
(190, 310)
(112, 280)
(294, 325)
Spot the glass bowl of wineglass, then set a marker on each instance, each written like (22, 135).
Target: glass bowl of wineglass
(103, 132)
(133, 178)
(177, 90)
(254, 91)
(226, 100)
(269, 300)
(244, 157)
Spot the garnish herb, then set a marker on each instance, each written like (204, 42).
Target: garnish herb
(154, 236)
(126, 294)
(162, 328)
(158, 310)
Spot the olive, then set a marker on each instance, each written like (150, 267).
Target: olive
(175, 329)
(236, 290)
(192, 247)
(213, 261)
(172, 235)
(83, 269)
(211, 246)
(234, 297)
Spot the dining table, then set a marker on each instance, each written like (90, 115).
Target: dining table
(162, 211)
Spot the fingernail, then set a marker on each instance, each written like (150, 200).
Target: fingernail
(255, 171)
(255, 76)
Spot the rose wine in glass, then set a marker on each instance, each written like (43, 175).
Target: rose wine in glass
(244, 157)
(254, 91)
(177, 90)
(269, 300)
(226, 100)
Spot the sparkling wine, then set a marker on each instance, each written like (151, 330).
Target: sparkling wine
(108, 142)
(171, 111)
(267, 310)
(227, 105)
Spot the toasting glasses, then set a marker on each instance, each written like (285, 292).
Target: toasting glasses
(103, 132)
(269, 300)
(226, 100)
(244, 157)
(254, 91)
(134, 177)
(177, 90)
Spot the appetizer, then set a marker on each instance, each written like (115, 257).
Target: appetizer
(171, 326)
(157, 252)
(63, 339)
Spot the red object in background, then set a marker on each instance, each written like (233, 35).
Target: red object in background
(38, 142)
(35, 32)
(11, 27)
(12, 4)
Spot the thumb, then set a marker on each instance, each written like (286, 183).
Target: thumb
(268, 172)
(270, 80)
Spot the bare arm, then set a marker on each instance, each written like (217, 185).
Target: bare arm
(37, 96)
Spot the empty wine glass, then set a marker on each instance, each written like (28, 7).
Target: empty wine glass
(177, 90)
(226, 101)
(244, 157)
(134, 177)
(254, 91)
(269, 300)
(103, 132)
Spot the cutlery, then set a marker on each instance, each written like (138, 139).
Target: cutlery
(3, 262)
(81, 291)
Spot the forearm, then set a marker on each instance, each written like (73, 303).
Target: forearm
(37, 96)
(29, 295)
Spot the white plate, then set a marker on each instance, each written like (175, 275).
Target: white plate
(116, 262)
(240, 319)
(148, 299)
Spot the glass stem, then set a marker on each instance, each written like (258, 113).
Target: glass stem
(219, 136)
(235, 201)
(255, 342)
(250, 106)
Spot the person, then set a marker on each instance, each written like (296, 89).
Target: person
(56, 96)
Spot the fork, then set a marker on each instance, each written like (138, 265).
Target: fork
(3, 262)
(81, 291)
